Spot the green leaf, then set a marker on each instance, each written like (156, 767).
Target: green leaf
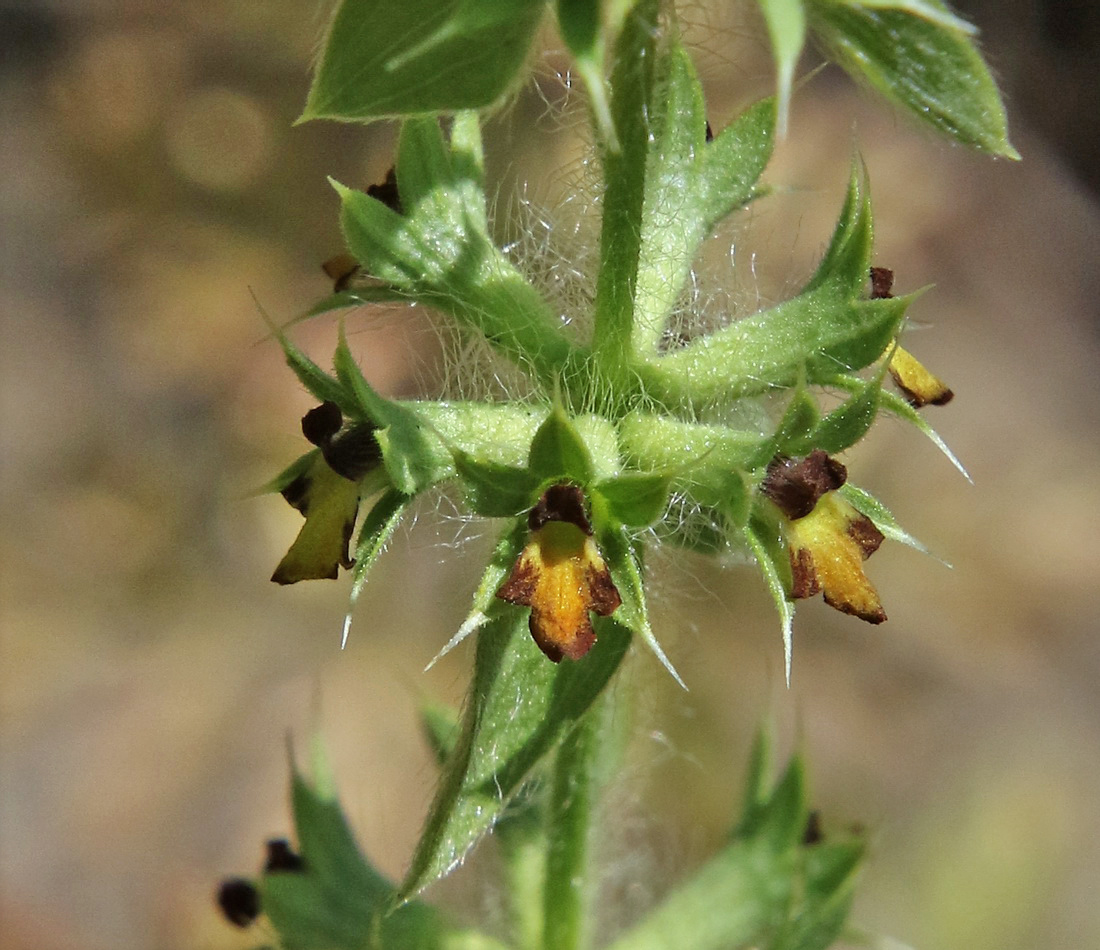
(624, 176)
(558, 451)
(735, 160)
(580, 23)
(847, 260)
(815, 331)
(624, 561)
(338, 900)
(867, 504)
(423, 164)
(929, 66)
(758, 782)
(707, 463)
(290, 474)
(440, 725)
(520, 707)
(378, 528)
(899, 407)
(383, 59)
(733, 901)
(690, 186)
(317, 382)
(359, 296)
(774, 562)
(672, 221)
(828, 327)
(407, 452)
(765, 888)
(441, 256)
(849, 422)
(829, 872)
(800, 418)
(786, 21)
(507, 549)
(493, 489)
(636, 499)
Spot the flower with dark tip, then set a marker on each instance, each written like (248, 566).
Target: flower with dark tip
(828, 539)
(327, 494)
(920, 387)
(561, 575)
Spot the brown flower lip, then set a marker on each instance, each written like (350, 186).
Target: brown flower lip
(919, 386)
(795, 485)
(827, 538)
(352, 452)
(561, 576)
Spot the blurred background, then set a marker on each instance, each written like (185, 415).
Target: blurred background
(154, 190)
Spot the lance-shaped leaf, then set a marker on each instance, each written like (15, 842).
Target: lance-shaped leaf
(493, 489)
(624, 561)
(848, 423)
(378, 528)
(899, 407)
(383, 59)
(407, 453)
(827, 327)
(636, 499)
(929, 66)
(321, 385)
(766, 544)
(672, 221)
(558, 451)
(519, 708)
(745, 895)
(581, 26)
(786, 21)
(690, 185)
(735, 160)
(438, 179)
(707, 463)
(867, 504)
(501, 561)
(334, 899)
(441, 256)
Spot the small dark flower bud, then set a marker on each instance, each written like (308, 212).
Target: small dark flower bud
(239, 901)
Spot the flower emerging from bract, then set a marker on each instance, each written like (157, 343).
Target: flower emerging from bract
(561, 575)
(828, 540)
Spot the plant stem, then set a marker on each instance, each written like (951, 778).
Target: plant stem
(567, 891)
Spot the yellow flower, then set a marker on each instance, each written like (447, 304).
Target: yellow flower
(327, 494)
(828, 540)
(921, 388)
(561, 576)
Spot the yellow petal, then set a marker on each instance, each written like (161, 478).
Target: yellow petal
(828, 547)
(921, 388)
(561, 576)
(330, 504)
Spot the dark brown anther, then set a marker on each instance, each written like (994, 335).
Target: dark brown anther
(239, 901)
(812, 833)
(281, 859)
(882, 283)
(795, 485)
(341, 270)
(387, 192)
(563, 502)
(319, 425)
(353, 452)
